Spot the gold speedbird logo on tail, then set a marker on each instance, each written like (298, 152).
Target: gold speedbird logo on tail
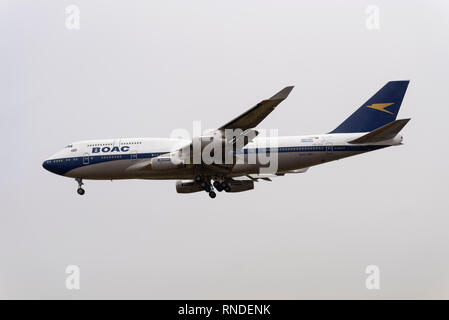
(381, 107)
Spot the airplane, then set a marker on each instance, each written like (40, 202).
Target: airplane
(371, 127)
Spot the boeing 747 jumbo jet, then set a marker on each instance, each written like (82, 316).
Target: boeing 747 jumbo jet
(233, 157)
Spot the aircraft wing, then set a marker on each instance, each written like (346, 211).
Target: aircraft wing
(255, 115)
(245, 122)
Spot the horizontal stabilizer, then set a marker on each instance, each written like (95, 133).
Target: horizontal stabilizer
(385, 132)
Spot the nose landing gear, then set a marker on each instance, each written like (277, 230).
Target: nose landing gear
(80, 190)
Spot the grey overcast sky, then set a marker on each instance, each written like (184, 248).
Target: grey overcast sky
(144, 68)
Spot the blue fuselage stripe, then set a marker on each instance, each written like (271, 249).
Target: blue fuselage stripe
(63, 165)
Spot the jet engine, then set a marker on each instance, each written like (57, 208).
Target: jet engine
(187, 186)
(240, 185)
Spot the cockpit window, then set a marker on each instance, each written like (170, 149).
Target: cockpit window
(69, 146)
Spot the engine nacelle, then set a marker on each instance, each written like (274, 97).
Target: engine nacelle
(167, 162)
(187, 186)
(240, 185)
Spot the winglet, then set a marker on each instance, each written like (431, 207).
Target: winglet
(283, 94)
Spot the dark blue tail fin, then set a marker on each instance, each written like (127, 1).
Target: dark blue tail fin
(380, 109)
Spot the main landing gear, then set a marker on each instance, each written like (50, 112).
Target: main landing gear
(220, 186)
(80, 190)
(206, 185)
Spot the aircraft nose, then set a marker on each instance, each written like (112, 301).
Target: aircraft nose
(57, 166)
(47, 165)
(54, 166)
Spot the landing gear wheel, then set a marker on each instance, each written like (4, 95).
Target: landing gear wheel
(80, 186)
(212, 194)
(218, 186)
(225, 186)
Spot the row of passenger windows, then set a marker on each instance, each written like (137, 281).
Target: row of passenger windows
(55, 161)
(309, 148)
(99, 145)
(109, 144)
(111, 157)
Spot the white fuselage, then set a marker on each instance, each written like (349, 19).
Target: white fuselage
(127, 158)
